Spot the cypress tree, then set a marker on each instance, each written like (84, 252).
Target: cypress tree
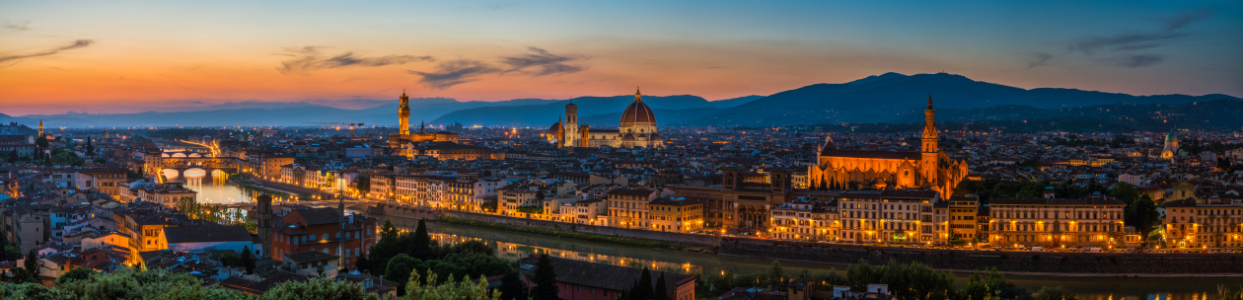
(90, 148)
(422, 241)
(545, 280)
(644, 290)
(661, 291)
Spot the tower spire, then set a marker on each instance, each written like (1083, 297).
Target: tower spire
(929, 100)
(638, 97)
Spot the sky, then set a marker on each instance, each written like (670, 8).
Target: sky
(130, 56)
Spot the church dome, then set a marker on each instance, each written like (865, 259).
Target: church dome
(655, 137)
(628, 137)
(637, 112)
(555, 129)
(1169, 137)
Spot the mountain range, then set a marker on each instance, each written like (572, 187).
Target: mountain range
(886, 98)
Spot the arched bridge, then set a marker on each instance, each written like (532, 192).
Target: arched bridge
(155, 165)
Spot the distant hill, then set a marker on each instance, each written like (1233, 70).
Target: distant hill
(599, 112)
(887, 97)
(1219, 115)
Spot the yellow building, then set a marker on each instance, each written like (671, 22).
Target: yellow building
(1189, 224)
(804, 219)
(962, 213)
(627, 208)
(675, 214)
(146, 229)
(1088, 222)
(865, 170)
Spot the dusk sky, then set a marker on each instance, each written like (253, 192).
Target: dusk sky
(129, 56)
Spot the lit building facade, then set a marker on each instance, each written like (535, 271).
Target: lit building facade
(931, 168)
(1049, 222)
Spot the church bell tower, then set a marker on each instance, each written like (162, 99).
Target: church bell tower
(930, 152)
(570, 127)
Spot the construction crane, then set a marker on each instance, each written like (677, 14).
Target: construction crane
(351, 125)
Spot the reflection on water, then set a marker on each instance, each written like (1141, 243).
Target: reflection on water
(214, 189)
(512, 245)
(514, 251)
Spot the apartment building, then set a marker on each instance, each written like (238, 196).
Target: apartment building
(1050, 222)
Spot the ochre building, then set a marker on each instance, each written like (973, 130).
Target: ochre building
(930, 167)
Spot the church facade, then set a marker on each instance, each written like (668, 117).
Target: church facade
(838, 169)
(637, 128)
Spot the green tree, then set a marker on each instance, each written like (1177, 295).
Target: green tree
(545, 280)
(318, 289)
(13, 156)
(448, 289)
(1142, 214)
(1054, 293)
(78, 273)
(248, 260)
(32, 262)
(776, 276)
(33, 291)
(661, 290)
(512, 287)
(384, 249)
(479, 247)
(90, 148)
(400, 266)
(422, 242)
(42, 142)
(363, 183)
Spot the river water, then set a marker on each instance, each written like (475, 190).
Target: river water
(511, 245)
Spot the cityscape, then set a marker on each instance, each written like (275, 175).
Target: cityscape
(380, 161)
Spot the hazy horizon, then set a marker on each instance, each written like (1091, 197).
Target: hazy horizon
(57, 56)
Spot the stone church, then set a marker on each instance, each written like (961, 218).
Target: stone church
(839, 169)
(637, 128)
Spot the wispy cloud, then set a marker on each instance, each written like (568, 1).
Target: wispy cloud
(17, 26)
(75, 45)
(1040, 59)
(1120, 49)
(1124, 42)
(310, 58)
(1189, 17)
(455, 72)
(544, 62)
(1138, 60)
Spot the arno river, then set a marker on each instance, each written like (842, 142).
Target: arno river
(512, 245)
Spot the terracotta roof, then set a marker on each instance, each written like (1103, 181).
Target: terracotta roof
(1042, 201)
(911, 155)
(600, 275)
(638, 112)
(200, 234)
(309, 256)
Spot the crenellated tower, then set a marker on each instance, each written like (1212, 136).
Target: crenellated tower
(403, 112)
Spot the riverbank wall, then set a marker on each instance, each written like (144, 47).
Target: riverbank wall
(1031, 263)
(695, 240)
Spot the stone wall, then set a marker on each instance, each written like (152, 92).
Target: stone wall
(670, 237)
(1014, 262)
(389, 209)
